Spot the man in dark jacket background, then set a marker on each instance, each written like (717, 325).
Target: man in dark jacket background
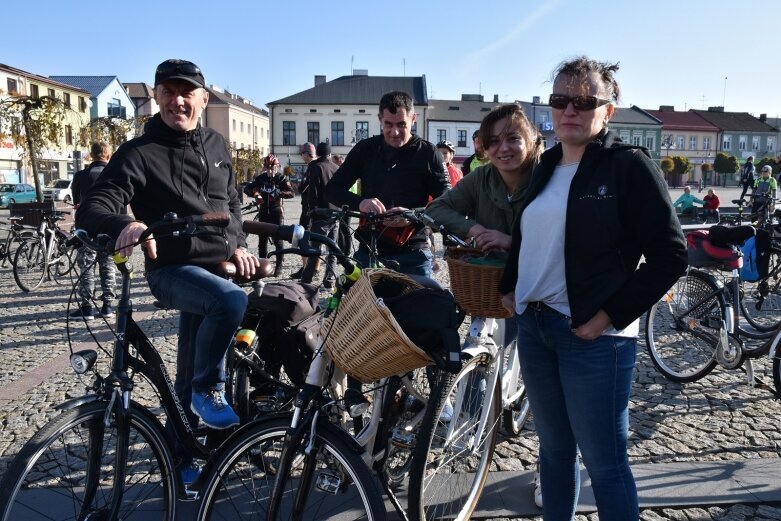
(178, 166)
(397, 170)
(318, 174)
(85, 258)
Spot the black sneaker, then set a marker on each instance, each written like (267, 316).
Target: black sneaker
(106, 310)
(84, 312)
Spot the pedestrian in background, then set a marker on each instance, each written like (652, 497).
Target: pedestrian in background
(319, 173)
(594, 208)
(478, 158)
(747, 176)
(344, 237)
(85, 257)
(448, 151)
(307, 156)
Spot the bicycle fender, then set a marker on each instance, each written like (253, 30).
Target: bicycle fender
(75, 402)
(774, 344)
(324, 425)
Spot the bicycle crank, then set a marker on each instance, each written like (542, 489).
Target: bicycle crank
(729, 352)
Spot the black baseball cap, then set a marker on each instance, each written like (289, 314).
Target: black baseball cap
(179, 70)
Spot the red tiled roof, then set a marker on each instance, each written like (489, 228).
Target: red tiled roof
(682, 120)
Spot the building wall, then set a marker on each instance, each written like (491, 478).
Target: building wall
(113, 91)
(60, 161)
(757, 144)
(703, 150)
(451, 130)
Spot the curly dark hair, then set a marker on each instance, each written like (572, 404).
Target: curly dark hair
(583, 66)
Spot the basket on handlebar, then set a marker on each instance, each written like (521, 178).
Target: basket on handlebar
(475, 286)
(362, 337)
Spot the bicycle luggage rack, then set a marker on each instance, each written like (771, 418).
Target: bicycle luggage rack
(32, 214)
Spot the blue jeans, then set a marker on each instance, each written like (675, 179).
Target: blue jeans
(579, 395)
(412, 262)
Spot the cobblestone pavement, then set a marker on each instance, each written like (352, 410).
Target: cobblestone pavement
(717, 418)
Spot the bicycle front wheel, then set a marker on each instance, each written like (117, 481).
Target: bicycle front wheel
(30, 264)
(66, 471)
(240, 485)
(682, 330)
(61, 266)
(452, 459)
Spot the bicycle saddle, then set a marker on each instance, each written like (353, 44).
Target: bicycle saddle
(730, 235)
(228, 270)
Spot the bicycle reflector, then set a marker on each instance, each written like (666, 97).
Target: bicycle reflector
(82, 361)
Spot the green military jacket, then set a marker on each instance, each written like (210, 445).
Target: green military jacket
(479, 198)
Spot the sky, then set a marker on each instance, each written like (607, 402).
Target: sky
(685, 53)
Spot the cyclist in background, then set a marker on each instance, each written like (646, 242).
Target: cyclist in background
(765, 188)
(448, 151)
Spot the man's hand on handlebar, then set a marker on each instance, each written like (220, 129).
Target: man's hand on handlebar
(246, 263)
(372, 205)
(130, 235)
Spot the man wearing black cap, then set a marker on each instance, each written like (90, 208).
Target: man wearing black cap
(476, 159)
(319, 173)
(179, 166)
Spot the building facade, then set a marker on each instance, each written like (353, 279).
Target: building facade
(456, 121)
(142, 96)
(63, 159)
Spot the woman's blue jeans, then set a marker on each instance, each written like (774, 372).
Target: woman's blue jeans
(579, 396)
(412, 262)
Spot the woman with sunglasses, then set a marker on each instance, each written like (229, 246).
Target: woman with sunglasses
(578, 288)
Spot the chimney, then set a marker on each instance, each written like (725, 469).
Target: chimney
(496, 98)
(715, 109)
(360, 72)
(763, 118)
(471, 97)
(319, 79)
(667, 108)
(536, 100)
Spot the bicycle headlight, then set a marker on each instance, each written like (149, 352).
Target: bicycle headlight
(82, 361)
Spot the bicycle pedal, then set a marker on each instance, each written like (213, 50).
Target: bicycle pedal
(328, 482)
(403, 439)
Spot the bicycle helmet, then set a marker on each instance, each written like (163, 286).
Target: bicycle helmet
(448, 145)
(270, 160)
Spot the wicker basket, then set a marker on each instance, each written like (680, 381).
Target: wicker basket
(475, 286)
(362, 337)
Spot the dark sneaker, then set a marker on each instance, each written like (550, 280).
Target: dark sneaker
(106, 310)
(84, 312)
(213, 410)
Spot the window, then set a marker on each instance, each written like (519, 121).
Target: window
(755, 143)
(706, 143)
(241, 126)
(68, 134)
(650, 143)
(50, 93)
(234, 125)
(82, 104)
(115, 108)
(692, 142)
(361, 130)
(13, 86)
(681, 145)
(33, 91)
(288, 132)
(66, 99)
(636, 139)
(313, 132)
(726, 142)
(624, 135)
(742, 142)
(771, 144)
(337, 133)
(461, 138)
(441, 135)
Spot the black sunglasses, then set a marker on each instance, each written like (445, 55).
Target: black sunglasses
(560, 101)
(187, 68)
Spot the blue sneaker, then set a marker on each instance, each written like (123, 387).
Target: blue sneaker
(213, 410)
(189, 474)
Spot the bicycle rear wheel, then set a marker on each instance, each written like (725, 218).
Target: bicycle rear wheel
(450, 464)
(30, 264)
(61, 267)
(682, 330)
(241, 483)
(760, 302)
(67, 470)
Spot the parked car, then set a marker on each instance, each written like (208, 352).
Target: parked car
(16, 193)
(59, 190)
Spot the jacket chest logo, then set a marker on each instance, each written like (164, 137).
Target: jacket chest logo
(602, 193)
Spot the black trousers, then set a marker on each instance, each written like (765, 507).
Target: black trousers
(274, 216)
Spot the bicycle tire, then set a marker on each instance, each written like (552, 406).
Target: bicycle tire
(30, 264)
(11, 244)
(241, 482)
(47, 477)
(514, 414)
(446, 478)
(760, 302)
(683, 349)
(777, 374)
(62, 266)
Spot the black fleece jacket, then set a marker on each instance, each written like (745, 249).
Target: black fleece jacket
(617, 211)
(164, 170)
(405, 176)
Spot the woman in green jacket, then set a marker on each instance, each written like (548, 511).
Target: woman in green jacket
(484, 204)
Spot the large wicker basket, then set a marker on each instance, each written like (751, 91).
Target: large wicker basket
(475, 286)
(362, 337)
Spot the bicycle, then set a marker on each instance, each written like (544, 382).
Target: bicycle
(696, 326)
(17, 233)
(457, 438)
(48, 255)
(107, 456)
(303, 467)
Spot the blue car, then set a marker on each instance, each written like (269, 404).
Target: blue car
(16, 193)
